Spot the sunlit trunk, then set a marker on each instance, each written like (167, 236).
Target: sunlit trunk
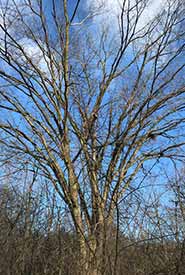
(92, 254)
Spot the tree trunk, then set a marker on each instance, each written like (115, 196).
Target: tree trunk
(91, 256)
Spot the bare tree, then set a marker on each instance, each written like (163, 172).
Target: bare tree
(92, 110)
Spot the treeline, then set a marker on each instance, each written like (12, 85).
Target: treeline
(37, 236)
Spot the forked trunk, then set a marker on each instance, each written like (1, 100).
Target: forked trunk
(91, 256)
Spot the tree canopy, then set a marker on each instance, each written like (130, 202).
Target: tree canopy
(93, 106)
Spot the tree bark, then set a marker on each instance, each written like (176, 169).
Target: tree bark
(91, 256)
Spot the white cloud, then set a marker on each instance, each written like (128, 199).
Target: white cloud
(110, 10)
(34, 52)
(9, 15)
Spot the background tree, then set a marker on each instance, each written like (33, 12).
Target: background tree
(95, 110)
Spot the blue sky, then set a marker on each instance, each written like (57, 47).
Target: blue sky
(112, 10)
